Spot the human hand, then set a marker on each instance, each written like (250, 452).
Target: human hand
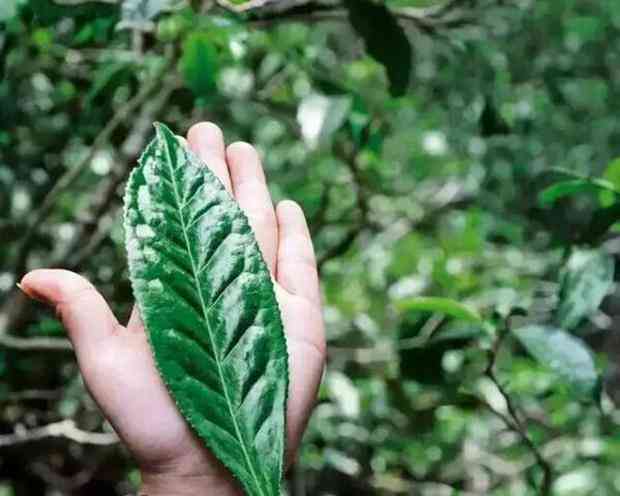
(116, 361)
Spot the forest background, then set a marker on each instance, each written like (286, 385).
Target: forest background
(457, 161)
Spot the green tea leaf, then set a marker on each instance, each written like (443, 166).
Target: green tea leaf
(566, 355)
(208, 304)
(385, 41)
(611, 174)
(573, 187)
(586, 280)
(433, 304)
(199, 64)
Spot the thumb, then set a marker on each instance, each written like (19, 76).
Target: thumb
(81, 308)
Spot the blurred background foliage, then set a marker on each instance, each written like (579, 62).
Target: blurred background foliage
(456, 161)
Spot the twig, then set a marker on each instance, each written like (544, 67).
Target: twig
(318, 219)
(244, 7)
(340, 248)
(78, 2)
(91, 233)
(94, 241)
(65, 429)
(513, 420)
(349, 157)
(387, 350)
(35, 344)
(266, 12)
(69, 177)
(379, 353)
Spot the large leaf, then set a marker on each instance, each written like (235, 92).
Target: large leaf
(565, 355)
(444, 306)
(586, 279)
(385, 41)
(207, 301)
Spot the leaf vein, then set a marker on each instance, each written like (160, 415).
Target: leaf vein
(248, 460)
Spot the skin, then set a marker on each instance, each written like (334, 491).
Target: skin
(116, 362)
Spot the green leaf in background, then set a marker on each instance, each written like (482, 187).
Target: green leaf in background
(49, 12)
(199, 64)
(572, 187)
(207, 301)
(385, 41)
(320, 116)
(8, 9)
(464, 331)
(80, 2)
(359, 119)
(444, 306)
(566, 355)
(585, 28)
(612, 175)
(586, 279)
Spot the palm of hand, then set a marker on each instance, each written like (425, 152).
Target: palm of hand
(116, 360)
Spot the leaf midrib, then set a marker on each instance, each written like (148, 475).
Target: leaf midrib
(206, 319)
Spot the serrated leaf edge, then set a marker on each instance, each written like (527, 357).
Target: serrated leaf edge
(158, 127)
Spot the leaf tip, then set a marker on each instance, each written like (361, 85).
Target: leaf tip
(158, 126)
(161, 129)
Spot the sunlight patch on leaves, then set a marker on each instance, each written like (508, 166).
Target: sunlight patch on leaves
(321, 116)
(586, 279)
(565, 355)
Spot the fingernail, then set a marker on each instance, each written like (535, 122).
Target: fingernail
(33, 295)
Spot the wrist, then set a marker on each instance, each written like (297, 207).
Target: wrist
(187, 485)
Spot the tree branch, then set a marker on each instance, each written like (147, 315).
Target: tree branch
(65, 429)
(265, 12)
(71, 175)
(340, 248)
(91, 233)
(513, 420)
(79, 2)
(245, 7)
(33, 395)
(35, 344)
(349, 158)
